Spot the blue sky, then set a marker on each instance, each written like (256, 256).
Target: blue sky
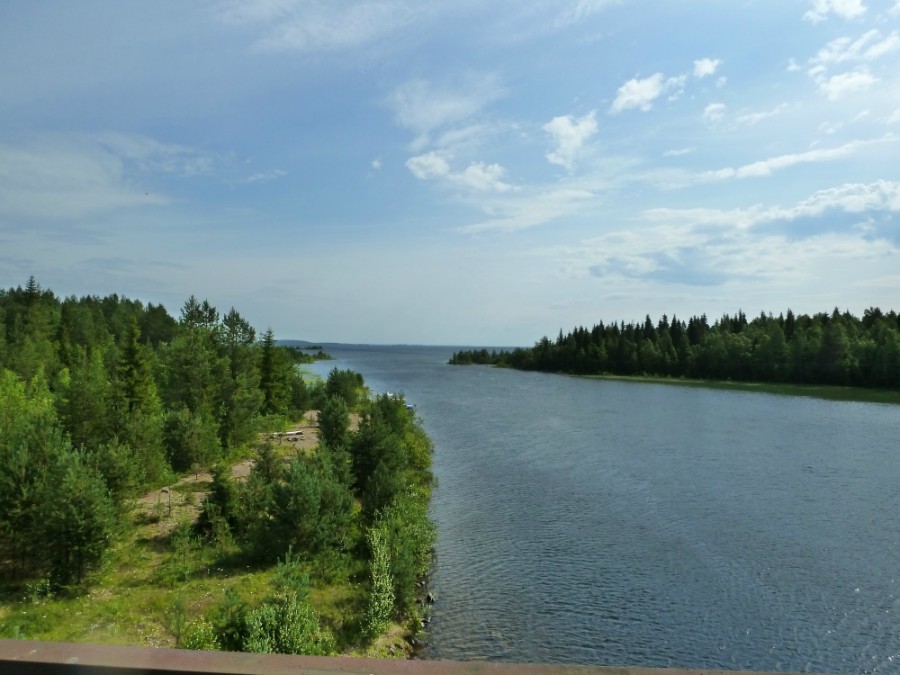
(459, 172)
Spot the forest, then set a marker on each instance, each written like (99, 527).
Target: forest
(104, 401)
(834, 348)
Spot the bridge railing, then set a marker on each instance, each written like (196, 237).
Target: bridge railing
(27, 657)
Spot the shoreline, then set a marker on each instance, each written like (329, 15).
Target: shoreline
(821, 391)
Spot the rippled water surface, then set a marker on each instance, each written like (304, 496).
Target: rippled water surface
(621, 523)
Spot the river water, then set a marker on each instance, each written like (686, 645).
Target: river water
(632, 524)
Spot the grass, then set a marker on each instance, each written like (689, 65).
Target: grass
(828, 392)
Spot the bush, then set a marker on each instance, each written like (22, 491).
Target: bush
(380, 607)
(285, 625)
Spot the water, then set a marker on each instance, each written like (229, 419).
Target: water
(633, 524)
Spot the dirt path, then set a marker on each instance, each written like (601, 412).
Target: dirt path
(166, 507)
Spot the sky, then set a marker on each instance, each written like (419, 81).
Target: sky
(454, 172)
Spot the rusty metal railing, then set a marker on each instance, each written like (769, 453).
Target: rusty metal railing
(27, 657)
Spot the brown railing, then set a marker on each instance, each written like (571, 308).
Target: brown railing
(25, 657)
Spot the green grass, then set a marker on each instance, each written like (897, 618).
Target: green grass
(828, 392)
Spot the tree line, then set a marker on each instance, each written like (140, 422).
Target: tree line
(101, 398)
(104, 398)
(834, 348)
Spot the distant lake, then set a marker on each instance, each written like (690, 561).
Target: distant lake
(631, 524)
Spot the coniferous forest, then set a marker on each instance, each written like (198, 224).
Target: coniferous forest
(107, 407)
(823, 349)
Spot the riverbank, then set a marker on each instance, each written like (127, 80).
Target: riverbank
(822, 391)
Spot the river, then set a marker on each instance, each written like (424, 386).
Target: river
(638, 524)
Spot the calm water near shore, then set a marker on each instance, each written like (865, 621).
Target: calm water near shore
(622, 523)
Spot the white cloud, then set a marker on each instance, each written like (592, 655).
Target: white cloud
(895, 117)
(705, 67)
(483, 177)
(570, 134)
(895, 10)
(714, 113)
(429, 165)
(845, 9)
(423, 108)
(477, 176)
(638, 93)
(753, 118)
(376, 163)
(641, 93)
(837, 87)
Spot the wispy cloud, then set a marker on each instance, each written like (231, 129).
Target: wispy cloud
(578, 10)
(570, 134)
(854, 198)
(678, 152)
(845, 9)
(531, 210)
(866, 48)
(862, 51)
(75, 176)
(263, 177)
(769, 166)
(425, 108)
(750, 119)
(708, 247)
(315, 25)
(714, 112)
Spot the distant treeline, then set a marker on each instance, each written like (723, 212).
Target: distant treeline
(836, 349)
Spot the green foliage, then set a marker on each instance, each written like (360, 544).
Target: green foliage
(200, 635)
(102, 397)
(380, 606)
(282, 624)
(291, 575)
(832, 349)
(346, 384)
(334, 422)
(409, 537)
(191, 439)
(76, 519)
(277, 374)
(221, 511)
(312, 512)
(285, 625)
(180, 565)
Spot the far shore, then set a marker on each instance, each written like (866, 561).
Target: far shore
(823, 391)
